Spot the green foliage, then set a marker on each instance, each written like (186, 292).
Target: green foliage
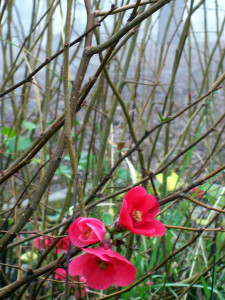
(85, 159)
(20, 141)
(64, 170)
(8, 131)
(107, 218)
(29, 125)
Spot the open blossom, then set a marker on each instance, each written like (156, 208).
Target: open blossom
(62, 245)
(199, 194)
(103, 267)
(137, 213)
(86, 231)
(43, 242)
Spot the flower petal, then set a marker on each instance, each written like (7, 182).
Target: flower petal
(151, 206)
(135, 192)
(98, 229)
(125, 219)
(151, 227)
(76, 266)
(100, 252)
(98, 278)
(125, 271)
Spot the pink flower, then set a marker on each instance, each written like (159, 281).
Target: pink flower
(138, 212)
(103, 267)
(199, 194)
(86, 231)
(62, 245)
(60, 274)
(43, 242)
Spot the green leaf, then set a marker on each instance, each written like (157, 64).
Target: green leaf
(84, 160)
(50, 122)
(22, 143)
(64, 171)
(8, 131)
(162, 119)
(54, 218)
(107, 218)
(29, 125)
(123, 174)
(66, 157)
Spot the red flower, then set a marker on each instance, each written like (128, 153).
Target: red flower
(199, 194)
(103, 267)
(43, 242)
(138, 212)
(148, 282)
(62, 245)
(86, 231)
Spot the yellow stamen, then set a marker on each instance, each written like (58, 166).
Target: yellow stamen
(102, 264)
(88, 232)
(136, 215)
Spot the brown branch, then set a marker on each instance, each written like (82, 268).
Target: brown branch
(195, 229)
(191, 186)
(31, 275)
(99, 13)
(147, 133)
(48, 60)
(199, 203)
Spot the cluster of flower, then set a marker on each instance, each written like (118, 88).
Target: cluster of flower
(101, 266)
(43, 242)
(78, 290)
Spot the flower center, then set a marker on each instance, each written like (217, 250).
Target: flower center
(87, 232)
(136, 215)
(102, 264)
